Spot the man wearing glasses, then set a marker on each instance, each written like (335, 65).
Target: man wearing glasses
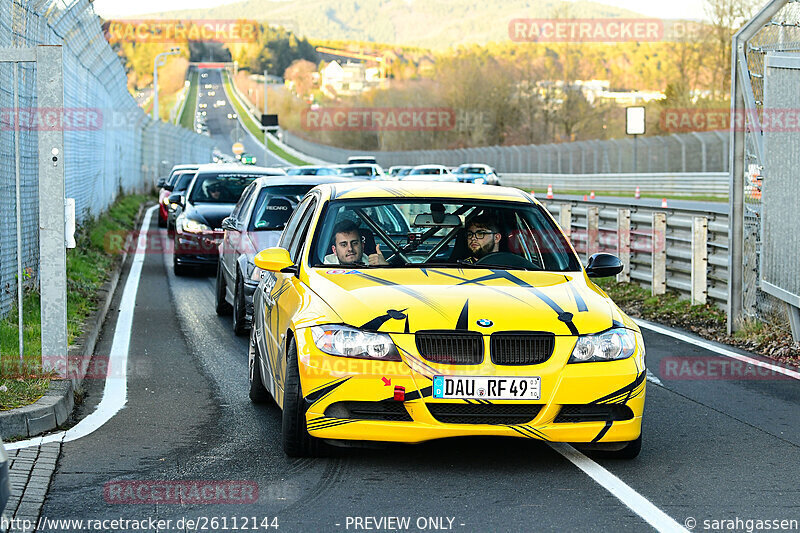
(483, 238)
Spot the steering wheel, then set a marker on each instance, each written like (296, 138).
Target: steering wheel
(506, 259)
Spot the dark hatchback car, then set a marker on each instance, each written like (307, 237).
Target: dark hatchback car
(255, 224)
(210, 198)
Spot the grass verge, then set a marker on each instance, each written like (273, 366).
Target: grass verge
(771, 339)
(187, 117)
(89, 265)
(250, 124)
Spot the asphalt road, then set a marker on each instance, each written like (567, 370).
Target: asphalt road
(713, 449)
(225, 131)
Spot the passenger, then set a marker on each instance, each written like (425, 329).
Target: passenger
(483, 238)
(348, 247)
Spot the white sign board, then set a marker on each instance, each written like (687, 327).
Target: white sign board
(634, 120)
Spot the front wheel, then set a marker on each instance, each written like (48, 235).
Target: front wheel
(258, 392)
(239, 311)
(296, 440)
(630, 451)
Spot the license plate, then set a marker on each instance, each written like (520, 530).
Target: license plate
(487, 388)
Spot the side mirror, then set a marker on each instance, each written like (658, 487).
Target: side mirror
(275, 260)
(229, 223)
(177, 199)
(169, 188)
(603, 265)
(161, 182)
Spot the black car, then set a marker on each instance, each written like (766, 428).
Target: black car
(255, 224)
(210, 198)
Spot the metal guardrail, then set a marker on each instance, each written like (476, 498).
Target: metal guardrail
(684, 184)
(690, 253)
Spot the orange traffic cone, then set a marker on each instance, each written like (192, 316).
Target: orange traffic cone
(591, 195)
(549, 192)
(637, 194)
(533, 193)
(584, 197)
(663, 202)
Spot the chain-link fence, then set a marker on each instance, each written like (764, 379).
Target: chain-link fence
(689, 152)
(776, 28)
(109, 143)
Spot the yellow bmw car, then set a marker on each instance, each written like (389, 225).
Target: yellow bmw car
(411, 311)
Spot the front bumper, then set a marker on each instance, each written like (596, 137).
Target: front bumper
(197, 249)
(332, 385)
(250, 287)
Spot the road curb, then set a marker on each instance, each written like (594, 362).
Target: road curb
(53, 409)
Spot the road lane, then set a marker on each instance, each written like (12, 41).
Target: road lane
(224, 131)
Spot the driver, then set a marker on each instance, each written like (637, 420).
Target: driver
(483, 238)
(348, 247)
(215, 191)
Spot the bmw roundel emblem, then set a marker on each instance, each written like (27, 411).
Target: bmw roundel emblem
(485, 323)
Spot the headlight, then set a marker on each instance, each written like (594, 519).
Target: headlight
(480, 181)
(345, 341)
(165, 201)
(612, 345)
(192, 226)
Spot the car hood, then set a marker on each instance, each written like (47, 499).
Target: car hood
(210, 214)
(407, 300)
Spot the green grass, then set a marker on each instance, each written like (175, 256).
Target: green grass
(88, 266)
(669, 308)
(250, 124)
(540, 194)
(187, 117)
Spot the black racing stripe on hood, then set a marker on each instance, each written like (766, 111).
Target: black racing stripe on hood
(504, 274)
(463, 318)
(406, 290)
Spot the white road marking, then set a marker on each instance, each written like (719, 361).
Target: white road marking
(115, 393)
(653, 379)
(717, 349)
(624, 493)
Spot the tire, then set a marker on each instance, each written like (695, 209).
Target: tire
(295, 438)
(258, 392)
(239, 310)
(222, 307)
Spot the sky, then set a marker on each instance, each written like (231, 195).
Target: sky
(686, 9)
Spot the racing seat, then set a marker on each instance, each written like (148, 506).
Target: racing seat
(276, 214)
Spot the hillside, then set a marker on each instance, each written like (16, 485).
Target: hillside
(446, 22)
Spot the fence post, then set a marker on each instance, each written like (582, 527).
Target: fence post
(592, 231)
(659, 249)
(565, 219)
(699, 260)
(52, 251)
(624, 244)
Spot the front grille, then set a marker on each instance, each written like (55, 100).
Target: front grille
(464, 413)
(593, 413)
(386, 411)
(450, 347)
(521, 348)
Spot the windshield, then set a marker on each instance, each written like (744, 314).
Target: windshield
(311, 171)
(220, 188)
(359, 171)
(471, 170)
(183, 181)
(458, 233)
(426, 171)
(275, 205)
